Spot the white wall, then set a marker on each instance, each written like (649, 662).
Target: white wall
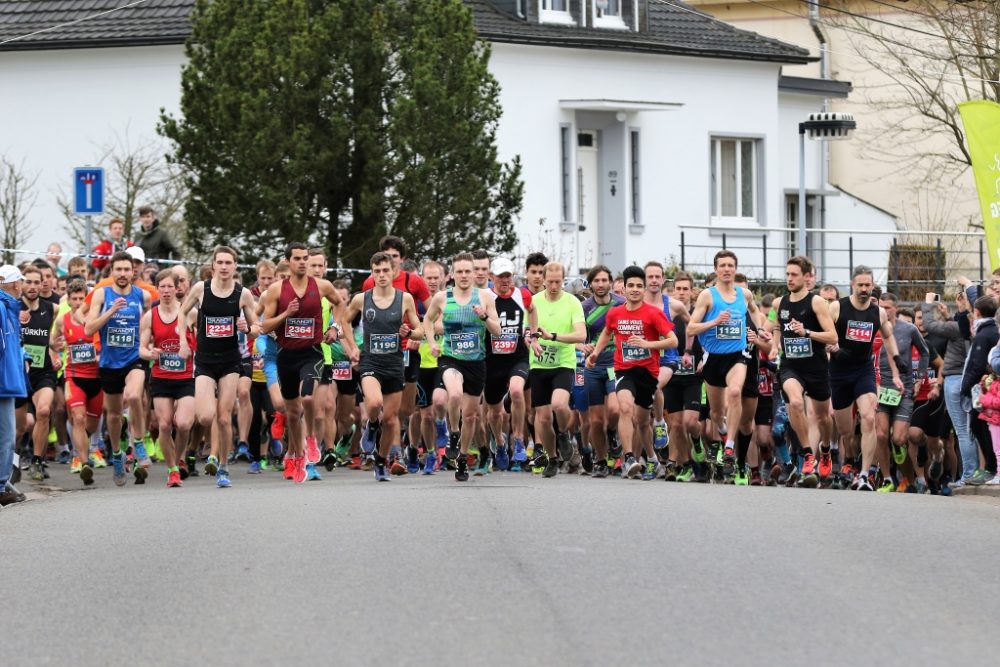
(59, 107)
(718, 96)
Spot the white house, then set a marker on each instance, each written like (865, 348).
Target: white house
(639, 122)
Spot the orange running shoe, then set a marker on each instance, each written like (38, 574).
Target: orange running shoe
(289, 471)
(98, 457)
(312, 450)
(174, 479)
(300, 469)
(278, 425)
(825, 463)
(355, 463)
(809, 479)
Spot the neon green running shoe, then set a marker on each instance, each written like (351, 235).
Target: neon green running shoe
(686, 474)
(698, 451)
(898, 454)
(887, 486)
(740, 477)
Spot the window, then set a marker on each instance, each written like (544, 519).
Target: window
(608, 14)
(734, 179)
(555, 11)
(633, 149)
(564, 148)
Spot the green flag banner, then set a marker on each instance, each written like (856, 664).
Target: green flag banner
(982, 132)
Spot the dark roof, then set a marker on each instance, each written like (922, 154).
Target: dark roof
(819, 87)
(673, 28)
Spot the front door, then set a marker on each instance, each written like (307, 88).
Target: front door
(588, 252)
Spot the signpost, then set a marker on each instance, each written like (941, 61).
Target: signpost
(88, 198)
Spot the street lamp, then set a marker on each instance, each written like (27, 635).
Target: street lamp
(826, 125)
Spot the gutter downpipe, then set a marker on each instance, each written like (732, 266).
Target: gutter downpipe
(824, 73)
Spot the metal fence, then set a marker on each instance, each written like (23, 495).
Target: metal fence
(908, 263)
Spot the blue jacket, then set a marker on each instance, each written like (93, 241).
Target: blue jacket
(12, 378)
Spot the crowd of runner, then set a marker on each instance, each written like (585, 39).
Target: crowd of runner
(460, 368)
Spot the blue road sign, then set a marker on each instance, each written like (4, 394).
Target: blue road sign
(88, 191)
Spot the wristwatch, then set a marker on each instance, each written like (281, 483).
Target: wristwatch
(553, 335)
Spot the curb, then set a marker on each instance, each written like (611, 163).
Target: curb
(982, 490)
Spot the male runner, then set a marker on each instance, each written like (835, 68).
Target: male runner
(803, 332)
(561, 326)
(534, 266)
(431, 398)
(292, 309)
(389, 318)
(719, 320)
(172, 386)
(682, 394)
(35, 337)
(641, 332)
(466, 312)
(220, 302)
(481, 269)
(852, 371)
(115, 312)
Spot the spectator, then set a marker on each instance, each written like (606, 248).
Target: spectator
(154, 239)
(54, 256)
(829, 292)
(12, 375)
(984, 339)
(116, 242)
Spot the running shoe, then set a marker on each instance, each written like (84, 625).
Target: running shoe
(412, 460)
(515, 467)
(141, 456)
(222, 479)
(740, 478)
(789, 474)
(430, 459)
(979, 477)
(118, 461)
(461, 469)
(993, 481)
(698, 451)
(600, 470)
(243, 452)
(809, 479)
(289, 470)
(686, 473)
(212, 466)
(276, 448)
(174, 479)
(192, 465)
(702, 474)
(660, 437)
(278, 425)
(98, 456)
(825, 462)
(945, 489)
(898, 453)
(520, 454)
(453, 449)
(140, 474)
(312, 450)
(76, 465)
(864, 484)
(312, 475)
(64, 456)
(903, 486)
(649, 470)
(253, 468)
(887, 486)
(381, 474)
(538, 463)
(328, 459)
(502, 458)
(397, 467)
(551, 468)
(299, 472)
(565, 443)
(755, 478)
(264, 465)
(614, 447)
(355, 463)
(935, 469)
(587, 461)
(846, 475)
(728, 461)
(86, 474)
(482, 467)
(670, 472)
(631, 468)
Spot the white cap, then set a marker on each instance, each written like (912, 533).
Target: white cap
(10, 274)
(137, 253)
(502, 265)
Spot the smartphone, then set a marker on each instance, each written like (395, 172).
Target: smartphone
(937, 297)
(535, 334)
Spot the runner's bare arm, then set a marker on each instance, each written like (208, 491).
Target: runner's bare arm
(889, 342)
(431, 317)
(249, 306)
(602, 342)
(756, 316)
(95, 322)
(411, 319)
(492, 318)
(678, 313)
(147, 301)
(192, 300)
(56, 342)
(664, 343)
(146, 350)
(695, 325)
(272, 319)
(828, 336)
(347, 335)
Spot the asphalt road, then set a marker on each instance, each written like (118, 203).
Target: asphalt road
(508, 569)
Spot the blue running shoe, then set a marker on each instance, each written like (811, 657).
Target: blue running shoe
(441, 432)
(430, 459)
(276, 448)
(312, 475)
(222, 479)
(381, 473)
(367, 441)
(502, 460)
(254, 468)
(118, 461)
(412, 463)
(520, 453)
(243, 452)
(141, 456)
(515, 467)
(660, 437)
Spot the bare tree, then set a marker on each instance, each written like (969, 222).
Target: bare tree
(17, 197)
(137, 175)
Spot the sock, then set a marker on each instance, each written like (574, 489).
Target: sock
(742, 447)
(730, 444)
(379, 460)
(173, 469)
(373, 426)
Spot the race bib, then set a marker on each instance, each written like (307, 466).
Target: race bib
(121, 337)
(549, 356)
(82, 353)
(633, 353)
(684, 369)
(383, 343)
(406, 357)
(341, 370)
(729, 331)
(797, 348)
(860, 332)
(580, 380)
(504, 343)
(302, 328)
(172, 362)
(257, 362)
(37, 355)
(464, 343)
(889, 396)
(219, 327)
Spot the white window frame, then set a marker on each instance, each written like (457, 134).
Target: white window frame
(611, 22)
(562, 16)
(715, 203)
